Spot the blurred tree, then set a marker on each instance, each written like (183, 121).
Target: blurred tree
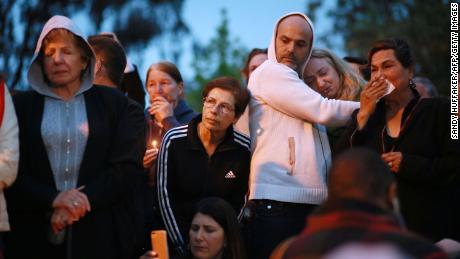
(222, 56)
(423, 24)
(135, 23)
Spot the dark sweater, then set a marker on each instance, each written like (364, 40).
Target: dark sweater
(111, 171)
(428, 179)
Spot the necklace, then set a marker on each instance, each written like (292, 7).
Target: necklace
(403, 127)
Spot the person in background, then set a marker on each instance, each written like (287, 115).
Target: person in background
(168, 109)
(333, 78)
(204, 158)
(9, 154)
(81, 157)
(412, 134)
(255, 58)
(361, 208)
(214, 232)
(110, 61)
(360, 66)
(425, 87)
(109, 67)
(131, 85)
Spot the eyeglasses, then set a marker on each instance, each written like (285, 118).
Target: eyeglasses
(224, 108)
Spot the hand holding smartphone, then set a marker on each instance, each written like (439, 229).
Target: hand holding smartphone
(160, 243)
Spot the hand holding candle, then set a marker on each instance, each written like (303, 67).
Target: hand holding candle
(151, 154)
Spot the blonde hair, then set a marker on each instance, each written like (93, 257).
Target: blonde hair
(351, 83)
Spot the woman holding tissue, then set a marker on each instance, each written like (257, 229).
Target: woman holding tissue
(413, 136)
(204, 158)
(76, 193)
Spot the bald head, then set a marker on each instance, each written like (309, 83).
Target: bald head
(360, 173)
(294, 39)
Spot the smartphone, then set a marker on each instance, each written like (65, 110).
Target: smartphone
(160, 243)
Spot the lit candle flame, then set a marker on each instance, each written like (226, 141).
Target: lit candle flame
(154, 144)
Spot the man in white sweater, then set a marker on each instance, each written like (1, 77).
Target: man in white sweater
(291, 152)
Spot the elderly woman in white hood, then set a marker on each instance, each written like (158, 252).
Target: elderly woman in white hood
(81, 157)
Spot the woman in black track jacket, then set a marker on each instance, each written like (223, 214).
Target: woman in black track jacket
(204, 158)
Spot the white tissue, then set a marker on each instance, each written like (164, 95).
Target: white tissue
(390, 88)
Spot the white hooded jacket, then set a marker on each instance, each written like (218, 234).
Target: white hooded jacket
(291, 153)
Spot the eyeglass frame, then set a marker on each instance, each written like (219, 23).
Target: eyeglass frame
(221, 107)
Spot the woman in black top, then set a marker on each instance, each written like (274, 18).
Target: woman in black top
(413, 137)
(204, 158)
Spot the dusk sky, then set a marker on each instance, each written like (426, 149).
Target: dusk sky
(251, 21)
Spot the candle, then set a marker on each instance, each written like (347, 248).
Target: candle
(154, 144)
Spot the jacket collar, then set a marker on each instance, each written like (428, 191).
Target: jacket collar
(181, 109)
(194, 141)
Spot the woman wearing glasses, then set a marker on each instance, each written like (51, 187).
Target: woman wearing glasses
(204, 158)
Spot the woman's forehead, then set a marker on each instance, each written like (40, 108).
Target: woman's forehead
(203, 219)
(222, 95)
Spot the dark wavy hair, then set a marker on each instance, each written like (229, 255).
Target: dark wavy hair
(223, 213)
(399, 46)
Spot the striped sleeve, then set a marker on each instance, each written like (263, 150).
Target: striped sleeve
(242, 139)
(164, 199)
(242, 198)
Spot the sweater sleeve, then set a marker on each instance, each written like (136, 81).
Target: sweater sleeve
(30, 191)
(165, 200)
(444, 166)
(124, 169)
(282, 89)
(9, 143)
(241, 194)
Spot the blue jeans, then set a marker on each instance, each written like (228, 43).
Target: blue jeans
(273, 222)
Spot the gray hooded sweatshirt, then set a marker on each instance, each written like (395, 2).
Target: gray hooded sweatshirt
(64, 127)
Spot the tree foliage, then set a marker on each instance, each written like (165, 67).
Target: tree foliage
(136, 23)
(423, 24)
(222, 56)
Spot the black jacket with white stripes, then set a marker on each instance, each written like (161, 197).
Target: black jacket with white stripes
(187, 174)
